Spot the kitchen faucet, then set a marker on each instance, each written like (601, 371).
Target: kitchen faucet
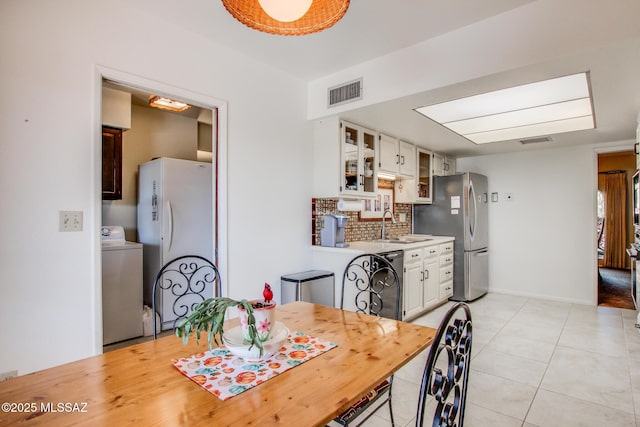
(393, 221)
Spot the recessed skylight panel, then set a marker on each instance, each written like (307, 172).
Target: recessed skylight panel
(530, 131)
(534, 115)
(521, 108)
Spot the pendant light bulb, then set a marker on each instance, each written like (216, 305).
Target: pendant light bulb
(285, 10)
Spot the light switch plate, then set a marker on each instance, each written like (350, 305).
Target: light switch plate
(70, 221)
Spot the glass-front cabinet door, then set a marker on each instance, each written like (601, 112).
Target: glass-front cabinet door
(369, 176)
(424, 181)
(359, 161)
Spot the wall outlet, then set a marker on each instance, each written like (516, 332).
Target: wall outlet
(508, 197)
(8, 375)
(402, 217)
(70, 221)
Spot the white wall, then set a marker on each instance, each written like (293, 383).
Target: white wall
(542, 243)
(49, 162)
(464, 54)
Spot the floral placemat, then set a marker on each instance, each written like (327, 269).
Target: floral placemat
(225, 375)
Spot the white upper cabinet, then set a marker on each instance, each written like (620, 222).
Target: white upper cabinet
(345, 160)
(443, 165)
(397, 157)
(407, 159)
(116, 109)
(359, 160)
(389, 154)
(418, 189)
(424, 175)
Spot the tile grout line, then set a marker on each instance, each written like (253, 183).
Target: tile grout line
(487, 345)
(555, 347)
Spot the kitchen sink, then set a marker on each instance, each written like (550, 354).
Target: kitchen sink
(415, 238)
(405, 239)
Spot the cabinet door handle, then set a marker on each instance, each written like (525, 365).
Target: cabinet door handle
(427, 274)
(397, 159)
(422, 276)
(402, 160)
(362, 180)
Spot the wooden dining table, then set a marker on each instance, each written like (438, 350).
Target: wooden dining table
(139, 384)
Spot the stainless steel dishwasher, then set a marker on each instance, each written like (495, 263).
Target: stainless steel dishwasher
(396, 259)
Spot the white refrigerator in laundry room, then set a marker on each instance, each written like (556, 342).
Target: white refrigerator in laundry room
(175, 218)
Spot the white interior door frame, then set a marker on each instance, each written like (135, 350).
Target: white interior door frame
(220, 179)
(600, 149)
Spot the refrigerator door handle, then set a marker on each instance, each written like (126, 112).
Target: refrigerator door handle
(170, 223)
(482, 253)
(473, 205)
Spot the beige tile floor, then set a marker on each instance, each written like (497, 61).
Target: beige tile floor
(539, 363)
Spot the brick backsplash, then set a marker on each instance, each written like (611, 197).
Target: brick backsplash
(356, 228)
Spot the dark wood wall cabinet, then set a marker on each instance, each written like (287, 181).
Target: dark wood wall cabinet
(111, 164)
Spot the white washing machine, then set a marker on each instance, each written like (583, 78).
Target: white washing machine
(121, 286)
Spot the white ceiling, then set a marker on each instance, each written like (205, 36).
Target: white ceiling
(373, 28)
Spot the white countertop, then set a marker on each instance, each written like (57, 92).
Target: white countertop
(373, 246)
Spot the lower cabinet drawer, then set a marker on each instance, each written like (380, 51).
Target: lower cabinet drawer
(431, 252)
(412, 255)
(446, 273)
(446, 259)
(446, 290)
(446, 248)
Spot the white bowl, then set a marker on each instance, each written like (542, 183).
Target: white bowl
(235, 342)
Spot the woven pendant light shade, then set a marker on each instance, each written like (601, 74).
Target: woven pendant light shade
(321, 15)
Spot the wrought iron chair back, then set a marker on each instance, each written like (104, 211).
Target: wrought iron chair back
(447, 369)
(187, 281)
(373, 284)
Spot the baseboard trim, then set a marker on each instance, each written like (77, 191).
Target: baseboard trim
(541, 297)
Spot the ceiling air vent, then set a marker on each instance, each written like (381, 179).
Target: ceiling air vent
(347, 92)
(535, 140)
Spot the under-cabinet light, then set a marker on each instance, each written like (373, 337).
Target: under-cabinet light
(382, 175)
(557, 105)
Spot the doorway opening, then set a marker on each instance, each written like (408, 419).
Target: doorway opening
(614, 229)
(190, 136)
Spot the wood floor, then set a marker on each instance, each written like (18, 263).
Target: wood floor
(614, 288)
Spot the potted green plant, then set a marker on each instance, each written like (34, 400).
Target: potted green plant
(209, 316)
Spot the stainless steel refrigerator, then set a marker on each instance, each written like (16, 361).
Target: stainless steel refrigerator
(460, 209)
(175, 218)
